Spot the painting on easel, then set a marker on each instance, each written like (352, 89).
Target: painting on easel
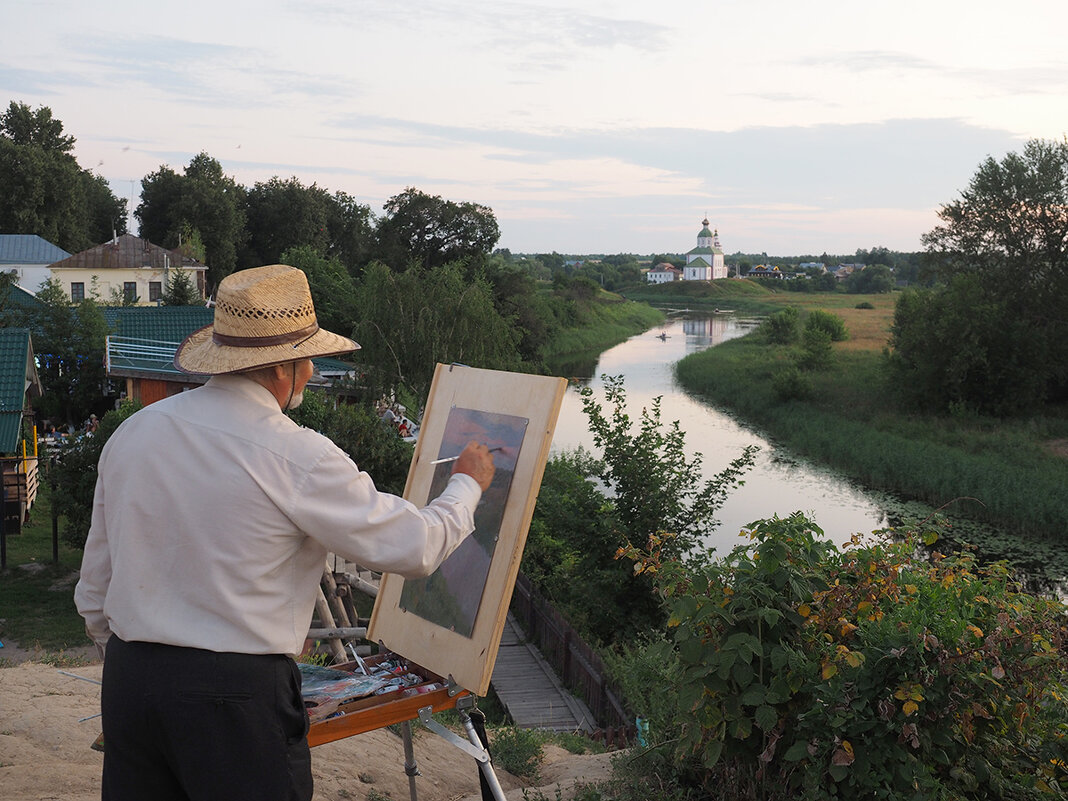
(450, 597)
(451, 622)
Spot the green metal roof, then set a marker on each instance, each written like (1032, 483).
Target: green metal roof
(144, 339)
(18, 375)
(16, 296)
(157, 323)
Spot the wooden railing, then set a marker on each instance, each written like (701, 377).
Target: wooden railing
(20, 484)
(578, 665)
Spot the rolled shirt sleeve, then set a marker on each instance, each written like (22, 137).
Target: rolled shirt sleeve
(95, 575)
(338, 506)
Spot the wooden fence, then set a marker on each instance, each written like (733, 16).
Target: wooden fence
(580, 668)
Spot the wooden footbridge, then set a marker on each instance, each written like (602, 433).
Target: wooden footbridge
(530, 690)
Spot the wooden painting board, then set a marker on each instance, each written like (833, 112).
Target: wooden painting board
(463, 403)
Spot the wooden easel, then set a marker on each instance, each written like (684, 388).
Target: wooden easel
(517, 413)
(376, 712)
(337, 617)
(336, 613)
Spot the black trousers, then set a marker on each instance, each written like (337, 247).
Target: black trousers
(181, 724)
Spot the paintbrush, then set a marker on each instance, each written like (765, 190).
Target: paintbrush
(454, 458)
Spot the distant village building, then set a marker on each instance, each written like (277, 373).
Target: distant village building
(766, 271)
(705, 262)
(128, 266)
(843, 271)
(663, 273)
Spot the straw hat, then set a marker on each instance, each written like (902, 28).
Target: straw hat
(263, 316)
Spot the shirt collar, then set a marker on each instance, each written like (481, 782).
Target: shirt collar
(246, 388)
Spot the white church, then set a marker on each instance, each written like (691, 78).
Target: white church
(703, 263)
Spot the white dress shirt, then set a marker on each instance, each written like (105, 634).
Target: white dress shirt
(213, 516)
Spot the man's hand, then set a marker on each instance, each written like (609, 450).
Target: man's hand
(477, 462)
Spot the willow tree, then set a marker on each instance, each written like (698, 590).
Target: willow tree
(410, 321)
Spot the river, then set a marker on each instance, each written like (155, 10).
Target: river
(779, 483)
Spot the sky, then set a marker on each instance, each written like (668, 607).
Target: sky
(596, 127)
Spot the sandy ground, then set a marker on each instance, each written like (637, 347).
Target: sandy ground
(45, 750)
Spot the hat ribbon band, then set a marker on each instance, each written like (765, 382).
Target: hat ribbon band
(264, 342)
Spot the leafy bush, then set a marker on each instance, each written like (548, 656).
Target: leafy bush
(356, 429)
(816, 352)
(656, 486)
(577, 529)
(517, 750)
(76, 475)
(820, 320)
(791, 384)
(781, 327)
(864, 305)
(809, 672)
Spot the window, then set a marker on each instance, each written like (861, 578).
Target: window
(129, 291)
(77, 291)
(155, 291)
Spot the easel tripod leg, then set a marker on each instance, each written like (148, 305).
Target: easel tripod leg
(487, 766)
(410, 768)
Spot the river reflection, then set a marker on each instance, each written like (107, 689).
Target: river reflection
(778, 484)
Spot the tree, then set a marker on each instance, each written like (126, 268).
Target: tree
(281, 215)
(351, 232)
(554, 261)
(180, 290)
(358, 431)
(45, 192)
(430, 232)
(874, 279)
(203, 199)
(410, 321)
(69, 344)
(958, 348)
(76, 475)
(518, 301)
(36, 128)
(332, 288)
(992, 335)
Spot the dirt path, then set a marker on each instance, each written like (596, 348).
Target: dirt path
(45, 750)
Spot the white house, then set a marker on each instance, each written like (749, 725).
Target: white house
(29, 256)
(705, 262)
(126, 265)
(663, 273)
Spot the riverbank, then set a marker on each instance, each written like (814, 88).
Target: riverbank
(606, 320)
(1006, 474)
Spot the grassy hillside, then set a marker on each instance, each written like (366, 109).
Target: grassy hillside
(727, 293)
